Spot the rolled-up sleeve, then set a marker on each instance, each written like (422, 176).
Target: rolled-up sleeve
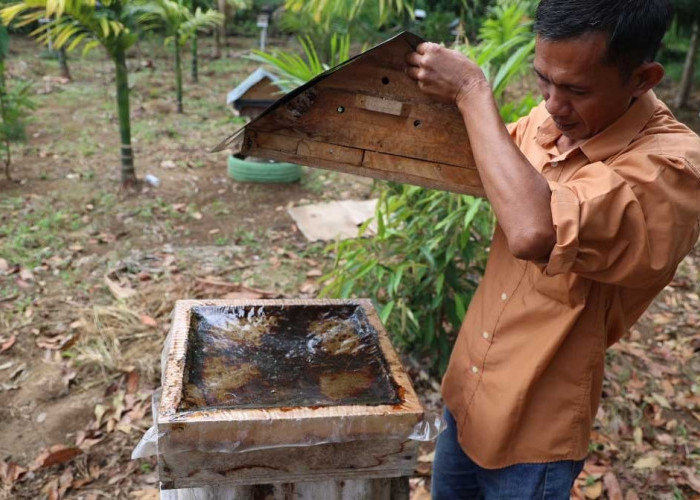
(627, 224)
(516, 129)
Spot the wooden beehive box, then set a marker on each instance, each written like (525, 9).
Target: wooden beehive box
(282, 391)
(367, 117)
(254, 94)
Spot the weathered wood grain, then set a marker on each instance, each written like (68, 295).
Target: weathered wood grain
(372, 106)
(253, 446)
(348, 489)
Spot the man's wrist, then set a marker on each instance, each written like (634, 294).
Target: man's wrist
(475, 88)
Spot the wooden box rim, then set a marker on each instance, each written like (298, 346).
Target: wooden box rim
(173, 371)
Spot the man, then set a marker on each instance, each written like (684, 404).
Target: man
(597, 196)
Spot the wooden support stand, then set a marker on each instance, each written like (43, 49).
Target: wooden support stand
(352, 489)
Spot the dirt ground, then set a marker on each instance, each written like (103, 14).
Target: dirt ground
(89, 276)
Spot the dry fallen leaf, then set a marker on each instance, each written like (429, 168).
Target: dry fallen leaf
(10, 472)
(26, 274)
(119, 292)
(612, 486)
(132, 382)
(4, 266)
(65, 481)
(57, 343)
(692, 479)
(593, 491)
(648, 462)
(148, 321)
(631, 495)
(87, 439)
(638, 435)
(6, 344)
(56, 454)
(242, 296)
(308, 287)
(146, 494)
(423, 469)
(51, 489)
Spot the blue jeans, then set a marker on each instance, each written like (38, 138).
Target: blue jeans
(455, 476)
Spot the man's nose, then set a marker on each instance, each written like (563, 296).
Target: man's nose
(556, 103)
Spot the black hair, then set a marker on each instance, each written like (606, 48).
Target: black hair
(635, 28)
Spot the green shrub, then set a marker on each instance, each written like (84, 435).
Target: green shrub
(15, 101)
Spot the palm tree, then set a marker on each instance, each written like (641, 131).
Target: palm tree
(95, 23)
(195, 58)
(227, 8)
(180, 24)
(324, 10)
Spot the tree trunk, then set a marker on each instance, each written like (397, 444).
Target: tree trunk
(223, 8)
(178, 76)
(63, 61)
(6, 140)
(217, 43)
(689, 68)
(128, 172)
(195, 75)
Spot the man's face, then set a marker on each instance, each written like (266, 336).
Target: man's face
(583, 93)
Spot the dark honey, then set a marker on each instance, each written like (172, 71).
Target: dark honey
(284, 357)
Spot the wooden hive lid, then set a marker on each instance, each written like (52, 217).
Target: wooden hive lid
(367, 117)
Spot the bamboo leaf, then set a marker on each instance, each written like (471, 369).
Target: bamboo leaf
(386, 311)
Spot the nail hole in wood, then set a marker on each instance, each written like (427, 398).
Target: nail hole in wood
(250, 143)
(417, 123)
(341, 109)
(385, 80)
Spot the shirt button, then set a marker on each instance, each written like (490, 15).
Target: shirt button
(475, 369)
(486, 335)
(504, 296)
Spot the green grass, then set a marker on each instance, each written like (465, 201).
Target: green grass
(144, 130)
(219, 207)
(41, 227)
(37, 232)
(228, 67)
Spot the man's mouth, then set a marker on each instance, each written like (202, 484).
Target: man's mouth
(564, 126)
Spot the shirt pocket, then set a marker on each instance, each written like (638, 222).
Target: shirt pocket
(566, 288)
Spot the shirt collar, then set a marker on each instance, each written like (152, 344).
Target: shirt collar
(612, 139)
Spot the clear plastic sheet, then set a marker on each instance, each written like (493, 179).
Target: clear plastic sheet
(339, 338)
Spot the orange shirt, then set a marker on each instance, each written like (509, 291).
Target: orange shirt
(525, 376)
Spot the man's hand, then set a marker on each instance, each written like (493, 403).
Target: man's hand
(519, 194)
(444, 74)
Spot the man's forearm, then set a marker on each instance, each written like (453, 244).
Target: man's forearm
(519, 194)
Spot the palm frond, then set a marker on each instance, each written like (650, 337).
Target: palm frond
(73, 22)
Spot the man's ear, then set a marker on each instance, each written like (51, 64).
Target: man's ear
(646, 77)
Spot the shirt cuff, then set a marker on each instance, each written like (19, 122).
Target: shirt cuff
(566, 213)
